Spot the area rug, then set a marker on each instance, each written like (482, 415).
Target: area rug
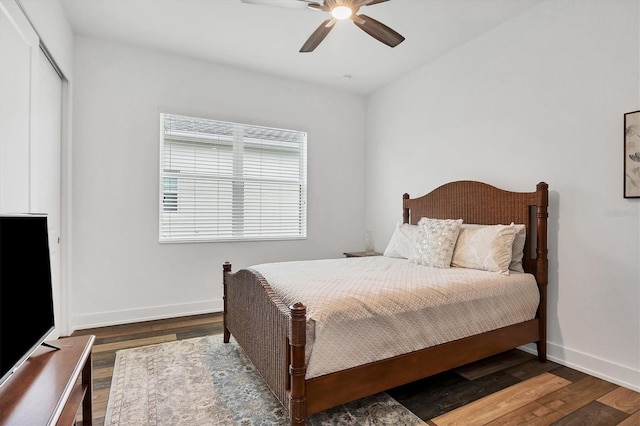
(203, 381)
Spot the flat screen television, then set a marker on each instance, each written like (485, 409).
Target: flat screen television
(26, 294)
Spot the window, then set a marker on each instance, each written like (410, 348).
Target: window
(222, 181)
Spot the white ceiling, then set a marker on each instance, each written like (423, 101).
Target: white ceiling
(267, 38)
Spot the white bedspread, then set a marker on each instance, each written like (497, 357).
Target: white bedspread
(365, 309)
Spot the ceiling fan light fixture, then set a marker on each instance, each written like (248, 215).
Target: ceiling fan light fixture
(345, 9)
(341, 12)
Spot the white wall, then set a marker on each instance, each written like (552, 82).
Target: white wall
(539, 98)
(19, 56)
(120, 272)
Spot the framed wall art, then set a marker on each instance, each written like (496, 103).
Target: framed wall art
(632, 155)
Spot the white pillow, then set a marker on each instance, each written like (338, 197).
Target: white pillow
(436, 241)
(518, 249)
(402, 242)
(488, 248)
(517, 252)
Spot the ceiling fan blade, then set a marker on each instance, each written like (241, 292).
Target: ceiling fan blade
(372, 2)
(319, 6)
(378, 30)
(318, 35)
(294, 4)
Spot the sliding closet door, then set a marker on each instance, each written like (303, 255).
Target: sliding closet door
(30, 133)
(45, 166)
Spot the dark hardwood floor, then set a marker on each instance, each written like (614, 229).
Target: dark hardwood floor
(508, 389)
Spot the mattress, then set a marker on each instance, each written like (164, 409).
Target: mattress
(361, 310)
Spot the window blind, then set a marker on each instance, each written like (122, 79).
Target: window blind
(222, 181)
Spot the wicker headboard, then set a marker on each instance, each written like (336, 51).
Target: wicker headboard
(480, 203)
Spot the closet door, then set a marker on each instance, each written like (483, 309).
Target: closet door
(19, 50)
(30, 134)
(45, 168)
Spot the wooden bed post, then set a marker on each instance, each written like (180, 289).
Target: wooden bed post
(542, 264)
(405, 210)
(297, 368)
(226, 268)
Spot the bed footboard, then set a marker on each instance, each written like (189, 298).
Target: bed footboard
(272, 335)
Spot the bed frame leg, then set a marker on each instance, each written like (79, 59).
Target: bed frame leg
(542, 350)
(226, 268)
(541, 344)
(297, 368)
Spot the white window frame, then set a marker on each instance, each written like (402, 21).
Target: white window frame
(245, 205)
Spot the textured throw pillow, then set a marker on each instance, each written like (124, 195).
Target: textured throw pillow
(488, 248)
(402, 242)
(436, 241)
(518, 249)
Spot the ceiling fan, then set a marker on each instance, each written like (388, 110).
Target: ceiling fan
(339, 10)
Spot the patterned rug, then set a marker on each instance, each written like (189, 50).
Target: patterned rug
(203, 381)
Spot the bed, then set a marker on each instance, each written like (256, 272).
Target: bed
(274, 332)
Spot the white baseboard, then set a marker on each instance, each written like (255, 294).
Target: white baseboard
(597, 367)
(101, 319)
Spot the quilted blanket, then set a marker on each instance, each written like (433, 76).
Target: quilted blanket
(371, 308)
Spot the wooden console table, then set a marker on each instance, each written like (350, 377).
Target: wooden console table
(50, 386)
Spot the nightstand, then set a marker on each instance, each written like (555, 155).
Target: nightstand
(360, 254)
